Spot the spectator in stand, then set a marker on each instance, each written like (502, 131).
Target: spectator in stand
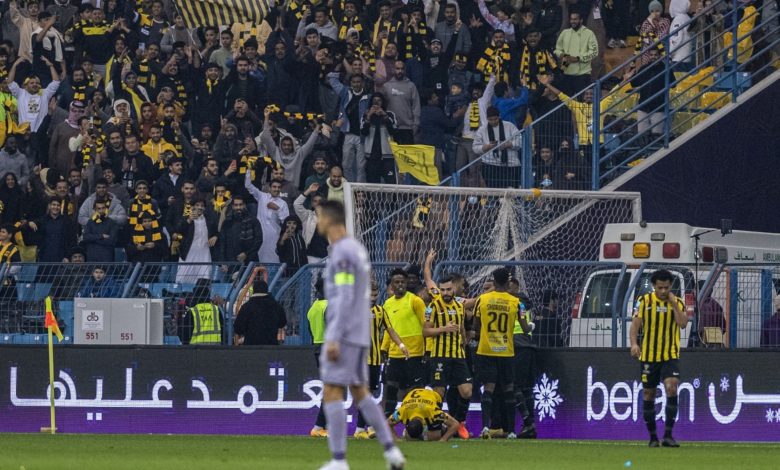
(334, 185)
(576, 48)
(649, 81)
(316, 244)
(548, 17)
(199, 236)
(378, 126)
(353, 104)
(99, 285)
(711, 316)
(271, 212)
(680, 42)
(512, 108)
(501, 21)
(115, 210)
(14, 162)
(617, 22)
(404, 102)
(770, 328)
(435, 130)
(289, 190)
(100, 234)
(148, 244)
(55, 234)
(320, 175)
(240, 234)
(291, 246)
(445, 30)
(535, 60)
(261, 321)
(653, 29)
(169, 185)
(501, 167)
(285, 153)
(473, 119)
(547, 169)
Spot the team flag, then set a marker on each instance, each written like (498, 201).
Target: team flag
(417, 160)
(222, 12)
(51, 321)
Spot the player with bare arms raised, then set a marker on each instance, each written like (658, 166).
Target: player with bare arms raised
(347, 340)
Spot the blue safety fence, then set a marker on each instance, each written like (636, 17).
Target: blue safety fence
(706, 63)
(298, 293)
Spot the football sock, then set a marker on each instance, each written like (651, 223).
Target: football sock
(391, 399)
(321, 417)
(509, 411)
(487, 408)
(671, 415)
(373, 416)
(529, 404)
(521, 405)
(337, 428)
(453, 403)
(648, 412)
(463, 408)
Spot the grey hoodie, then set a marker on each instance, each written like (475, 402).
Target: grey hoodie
(16, 164)
(403, 101)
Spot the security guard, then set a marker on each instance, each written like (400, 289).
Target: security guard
(205, 315)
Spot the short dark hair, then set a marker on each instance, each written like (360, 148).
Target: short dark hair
(228, 32)
(661, 275)
(414, 428)
(101, 181)
(8, 228)
(501, 277)
(335, 211)
(447, 278)
(239, 197)
(397, 272)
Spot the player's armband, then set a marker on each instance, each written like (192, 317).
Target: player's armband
(344, 279)
(637, 308)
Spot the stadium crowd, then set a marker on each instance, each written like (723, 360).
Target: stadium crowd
(121, 128)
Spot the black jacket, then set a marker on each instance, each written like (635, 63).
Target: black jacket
(55, 238)
(164, 188)
(259, 320)
(100, 249)
(187, 230)
(239, 235)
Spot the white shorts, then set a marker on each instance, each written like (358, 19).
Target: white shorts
(350, 369)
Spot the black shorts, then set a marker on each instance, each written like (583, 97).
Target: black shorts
(407, 373)
(492, 369)
(653, 373)
(374, 373)
(448, 372)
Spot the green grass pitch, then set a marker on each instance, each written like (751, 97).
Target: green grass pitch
(140, 452)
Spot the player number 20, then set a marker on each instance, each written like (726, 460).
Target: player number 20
(499, 320)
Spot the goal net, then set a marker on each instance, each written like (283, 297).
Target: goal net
(401, 223)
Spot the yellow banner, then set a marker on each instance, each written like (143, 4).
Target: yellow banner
(417, 160)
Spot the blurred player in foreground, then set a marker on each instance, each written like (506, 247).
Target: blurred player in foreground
(347, 340)
(421, 414)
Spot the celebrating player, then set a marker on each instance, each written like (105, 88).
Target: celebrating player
(347, 340)
(421, 413)
(496, 313)
(445, 320)
(660, 315)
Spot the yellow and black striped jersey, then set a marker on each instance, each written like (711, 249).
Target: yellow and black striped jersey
(423, 404)
(439, 314)
(378, 327)
(660, 333)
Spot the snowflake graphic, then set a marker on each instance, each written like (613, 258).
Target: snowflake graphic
(770, 415)
(777, 415)
(724, 384)
(546, 397)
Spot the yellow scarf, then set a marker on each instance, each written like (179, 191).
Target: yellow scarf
(347, 24)
(220, 201)
(474, 115)
(142, 236)
(495, 61)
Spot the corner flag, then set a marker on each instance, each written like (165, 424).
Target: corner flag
(51, 321)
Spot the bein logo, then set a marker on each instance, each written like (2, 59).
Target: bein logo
(623, 400)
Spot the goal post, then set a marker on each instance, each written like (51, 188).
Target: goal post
(401, 223)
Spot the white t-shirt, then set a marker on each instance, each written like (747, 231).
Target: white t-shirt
(33, 108)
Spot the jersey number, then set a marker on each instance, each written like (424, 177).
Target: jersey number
(497, 319)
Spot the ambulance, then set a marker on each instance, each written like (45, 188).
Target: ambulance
(669, 246)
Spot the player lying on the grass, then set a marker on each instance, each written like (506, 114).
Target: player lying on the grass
(423, 418)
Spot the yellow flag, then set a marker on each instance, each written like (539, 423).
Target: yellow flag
(417, 160)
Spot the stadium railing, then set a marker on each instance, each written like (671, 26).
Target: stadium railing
(298, 293)
(721, 68)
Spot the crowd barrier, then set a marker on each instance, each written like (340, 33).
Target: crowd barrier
(579, 393)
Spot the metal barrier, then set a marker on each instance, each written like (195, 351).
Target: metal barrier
(25, 286)
(596, 143)
(298, 293)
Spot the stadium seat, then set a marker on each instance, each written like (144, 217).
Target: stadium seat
(725, 81)
(32, 291)
(65, 313)
(713, 100)
(156, 288)
(684, 121)
(682, 98)
(172, 341)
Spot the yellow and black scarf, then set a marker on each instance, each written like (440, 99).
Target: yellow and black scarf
(211, 84)
(421, 212)
(251, 163)
(139, 206)
(392, 31)
(495, 61)
(304, 116)
(89, 152)
(186, 210)
(248, 30)
(474, 115)
(347, 24)
(167, 129)
(68, 208)
(145, 75)
(142, 236)
(97, 218)
(219, 202)
(533, 64)
(80, 92)
(647, 39)
(113, 62)
(414, 40)
(7, 251)
(181, 93)
(367, 53)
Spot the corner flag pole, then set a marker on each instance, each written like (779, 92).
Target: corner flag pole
(52, 327)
